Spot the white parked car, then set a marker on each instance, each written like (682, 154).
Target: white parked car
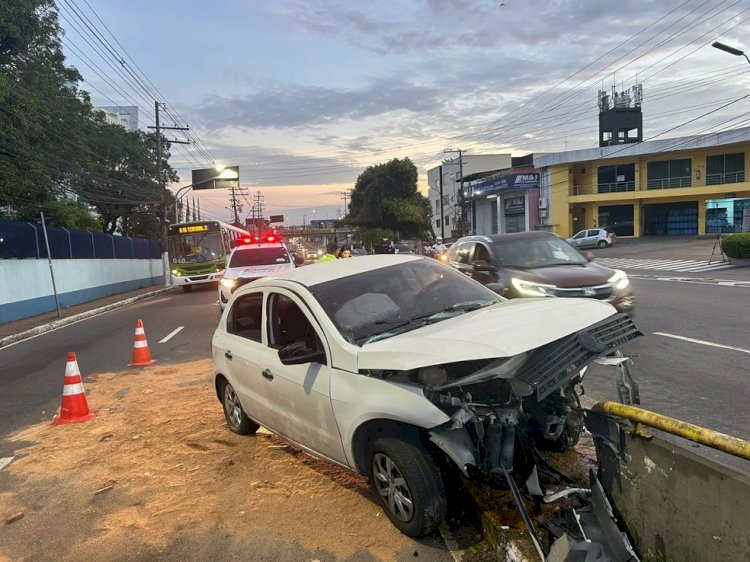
(399, 368)
(253, 258)
(593, 238)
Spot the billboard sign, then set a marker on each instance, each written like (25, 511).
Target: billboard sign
(495, 184)
(211, 178)
(276, 218)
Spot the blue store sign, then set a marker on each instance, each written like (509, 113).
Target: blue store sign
(494, 184)
(515, 205)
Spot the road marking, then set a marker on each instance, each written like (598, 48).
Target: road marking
(692, 280)
(174, 333)
(664, 264)
(702, 342)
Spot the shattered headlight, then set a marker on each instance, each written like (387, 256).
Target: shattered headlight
(531, 289)
(619, 280)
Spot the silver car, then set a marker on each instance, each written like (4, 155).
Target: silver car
(593, 238)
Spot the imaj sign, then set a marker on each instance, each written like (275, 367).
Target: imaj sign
(494, 184)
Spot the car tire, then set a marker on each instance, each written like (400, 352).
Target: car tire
(602, 244)
(236, 417)
(408, 485)
(187, 288)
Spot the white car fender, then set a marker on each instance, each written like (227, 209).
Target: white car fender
(357, 399)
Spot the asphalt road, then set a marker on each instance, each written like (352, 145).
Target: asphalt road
(693, 362)
(32, 370)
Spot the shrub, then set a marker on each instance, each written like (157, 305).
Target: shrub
(736, 245)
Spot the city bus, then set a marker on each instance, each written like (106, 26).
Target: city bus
(198, 251)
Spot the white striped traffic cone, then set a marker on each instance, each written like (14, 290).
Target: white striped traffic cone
(141, 354)
(74, 408)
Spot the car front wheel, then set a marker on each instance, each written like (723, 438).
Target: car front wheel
(602, 244)
(408, 485)
(236, 417)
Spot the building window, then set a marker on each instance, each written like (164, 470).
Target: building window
(620, 177)
(437, 205)
(447, 220)
(437, 223)
(617, 218)
(727, 215)
(669, 173)
(725, 168)
(493, 217)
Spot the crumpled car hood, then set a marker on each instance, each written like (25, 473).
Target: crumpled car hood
(502, 330)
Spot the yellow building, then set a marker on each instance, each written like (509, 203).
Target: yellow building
(681, 186)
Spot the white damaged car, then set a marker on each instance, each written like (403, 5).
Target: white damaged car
(397, 366)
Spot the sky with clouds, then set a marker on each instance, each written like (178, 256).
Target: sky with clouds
(304, 95)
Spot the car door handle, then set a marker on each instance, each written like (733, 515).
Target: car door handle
(267, 374)
(228, 354)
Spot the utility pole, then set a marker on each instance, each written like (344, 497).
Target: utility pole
(163, 191)
(460, 198)
(236, 207)
(346, 196)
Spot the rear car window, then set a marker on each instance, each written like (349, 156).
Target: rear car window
(244, 257)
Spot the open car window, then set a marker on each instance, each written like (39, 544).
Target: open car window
(287, 324)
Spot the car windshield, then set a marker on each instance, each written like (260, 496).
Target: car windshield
(245, 257)
(531, 253)
(396, 299)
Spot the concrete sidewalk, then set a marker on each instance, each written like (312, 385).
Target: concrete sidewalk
(665, 247)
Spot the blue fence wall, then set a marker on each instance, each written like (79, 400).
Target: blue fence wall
(86, 266)
(20, 240)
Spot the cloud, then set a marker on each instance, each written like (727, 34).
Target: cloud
(297, 105)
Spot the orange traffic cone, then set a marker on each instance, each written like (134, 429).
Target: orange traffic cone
(74, 407)
(141, 355)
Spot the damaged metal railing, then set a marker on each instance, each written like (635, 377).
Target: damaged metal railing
(726, 443)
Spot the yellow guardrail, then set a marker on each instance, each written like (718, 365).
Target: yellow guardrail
(732, 445)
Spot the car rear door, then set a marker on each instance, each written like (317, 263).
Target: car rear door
(238, 347)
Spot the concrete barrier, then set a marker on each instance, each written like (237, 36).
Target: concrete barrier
(676, 504)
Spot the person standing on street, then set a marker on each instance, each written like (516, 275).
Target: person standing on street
(330, 254)
(345, 252)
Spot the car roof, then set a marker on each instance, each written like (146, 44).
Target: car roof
(531, 235)
(317, 273)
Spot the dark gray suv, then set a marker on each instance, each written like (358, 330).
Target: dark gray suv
(539, 264)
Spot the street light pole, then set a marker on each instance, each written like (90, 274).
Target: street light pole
(730, 50)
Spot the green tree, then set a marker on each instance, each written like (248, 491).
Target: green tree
(386, 196)
(41, 108)
(57, 154)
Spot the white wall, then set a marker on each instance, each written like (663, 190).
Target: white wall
(26, 285)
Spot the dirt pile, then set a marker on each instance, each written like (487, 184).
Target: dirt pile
(157, 468)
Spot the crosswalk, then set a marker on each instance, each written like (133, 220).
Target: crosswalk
(684, 266)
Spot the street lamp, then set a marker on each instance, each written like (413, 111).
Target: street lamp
(224, 174)
(730, 50)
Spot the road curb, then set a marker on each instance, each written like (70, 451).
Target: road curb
(30, 333)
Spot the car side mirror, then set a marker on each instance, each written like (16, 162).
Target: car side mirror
(482, 265)
(498, 288)
(297, 353)
(298, 260)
